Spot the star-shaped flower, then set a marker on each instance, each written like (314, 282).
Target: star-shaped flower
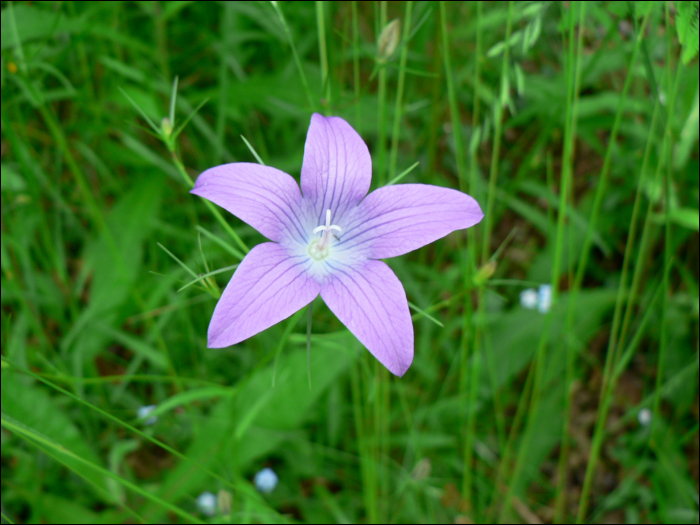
(328, 238)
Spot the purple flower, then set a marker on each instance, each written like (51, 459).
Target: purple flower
(328, 238)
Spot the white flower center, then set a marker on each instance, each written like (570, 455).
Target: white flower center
(318, 248)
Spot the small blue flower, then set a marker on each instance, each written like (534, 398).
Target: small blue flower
(528, 298)
(266, 480)
(206, 503)
(143, 413)
(544, 298)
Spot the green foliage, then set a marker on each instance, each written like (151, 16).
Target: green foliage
(575, 126)
(687, 27)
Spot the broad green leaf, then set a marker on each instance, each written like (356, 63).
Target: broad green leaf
(34, 408)
(115, 263)
(687, 27)
(55, 509)
(35, 23)
(10, 180)
(276, 412)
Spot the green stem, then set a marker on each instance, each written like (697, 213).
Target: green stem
(505, 463)
(162, 39)
(356, 64)
(667, 245)
(297, 60)
(399, 92)
(381, 146)
(452, 97)
(498, 117)
(573, 83)
(323, 54)
(208, 204)
(366, 459)
(309, 319)
(607, 387)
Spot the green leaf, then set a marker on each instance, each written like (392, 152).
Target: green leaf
(34, 408)
(686, 217)
(116, 263)
(70, 459)
(10, 180)
(687, 27)
(34, 23)
(262, 417)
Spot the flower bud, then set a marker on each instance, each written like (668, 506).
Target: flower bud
(225, 502)
(166, 127)
(485, 273)
(388, 40)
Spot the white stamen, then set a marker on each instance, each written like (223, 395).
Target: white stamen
(318, 248)
(328, 226)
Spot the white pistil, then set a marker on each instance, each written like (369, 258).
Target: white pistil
(318, 249)
(327, 231)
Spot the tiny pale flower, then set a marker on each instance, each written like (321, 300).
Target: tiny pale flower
(265, 480)
(544, 298)
(644, 417)
(144, 412)
(328, 238)
(528, 298)
(206, 503)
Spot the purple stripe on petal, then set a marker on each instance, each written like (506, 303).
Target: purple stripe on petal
(337, 168)
(395, 220)
(369, 299)
(266, 198)
(268, 286)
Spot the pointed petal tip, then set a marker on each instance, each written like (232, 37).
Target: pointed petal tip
(402, 368)
(215, 341)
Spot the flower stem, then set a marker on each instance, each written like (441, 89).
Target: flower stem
(452, 97)
(467, 384)
(381, 146)
(323, 54)
(399, 92)
(214, 211)
(356, 65)
(309, 318)
(498, 117)
(606, 390)
(573, 85)
(297, 60)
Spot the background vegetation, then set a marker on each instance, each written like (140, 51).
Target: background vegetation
(574, 124)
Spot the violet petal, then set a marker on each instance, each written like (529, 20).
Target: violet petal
(395, 220)
(337, 168)
(369, 299)
(268, 286)
(266, 198)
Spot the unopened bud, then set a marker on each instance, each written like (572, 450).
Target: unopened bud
(225, 502)
(166, 127)
(485, 273)
(389, 40)
(422, 469)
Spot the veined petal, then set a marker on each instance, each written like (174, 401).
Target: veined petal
(337, 168)
(266, 198)
(395, 220)
(268, 286)
(370, 300)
